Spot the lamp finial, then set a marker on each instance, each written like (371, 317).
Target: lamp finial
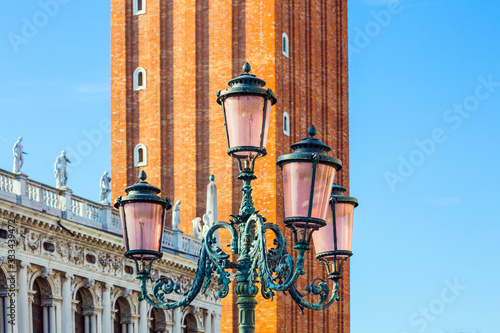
(246, 67)
(143, 176)
(312, 131)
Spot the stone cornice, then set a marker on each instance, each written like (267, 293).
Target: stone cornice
(91, 237)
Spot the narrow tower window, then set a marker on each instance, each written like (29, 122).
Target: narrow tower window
(140, 155)
(286, 124)
(139, 7)
(284, 44)
(140, 79)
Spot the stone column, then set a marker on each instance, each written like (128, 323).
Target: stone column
(124, 328)
(87, 324)
(52, 319)
(208, 321)
(107, 323)
(130, 328)
(31, 297)
(143, 320)
(45, 311)
(67, 302)
(58, 306)
(177, 320)
(93, 323)
(23, 318)
(73, 310)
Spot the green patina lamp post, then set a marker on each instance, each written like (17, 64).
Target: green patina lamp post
(314, 208)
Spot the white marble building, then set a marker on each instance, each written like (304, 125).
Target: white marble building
(62, 268)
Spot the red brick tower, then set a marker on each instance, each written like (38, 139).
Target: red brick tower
(169, 58)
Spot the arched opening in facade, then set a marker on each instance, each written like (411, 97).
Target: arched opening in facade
(85, 318)
(42, 309)
(157, 321)
(79, 319)
(122, 322)
(139, 7)
(285, 45)
(286, 124)
(140, 79)
(140, 155)
(189, 324)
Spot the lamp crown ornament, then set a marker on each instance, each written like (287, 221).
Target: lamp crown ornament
(339, 197)
(308, 186)
(312, 144)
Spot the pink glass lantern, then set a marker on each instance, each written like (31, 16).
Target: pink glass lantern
(334, 241)
(247, 113)
(308, 175)
(142, 214)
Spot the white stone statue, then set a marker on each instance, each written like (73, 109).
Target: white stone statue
(176, 217)
(18, 155)
(197, 229)
(206, 224)
(105, 188)
(60, 171)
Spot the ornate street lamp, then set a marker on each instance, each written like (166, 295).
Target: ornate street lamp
(308, 176)
(334, 243)
(142, 213)
(247, 112)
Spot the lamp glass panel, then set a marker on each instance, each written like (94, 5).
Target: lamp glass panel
(244, 117)
(324, 238)
(144, 226)
(297, 177)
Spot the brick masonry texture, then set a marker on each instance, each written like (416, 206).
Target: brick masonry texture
(190, 49)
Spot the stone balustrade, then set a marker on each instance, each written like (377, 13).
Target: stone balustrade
(17, 188)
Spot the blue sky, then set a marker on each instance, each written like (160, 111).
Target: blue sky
(424, 117)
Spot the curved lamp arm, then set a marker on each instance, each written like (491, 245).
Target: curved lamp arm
(317, 287)
(212, 259)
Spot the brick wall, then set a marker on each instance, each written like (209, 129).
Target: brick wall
(190, 50)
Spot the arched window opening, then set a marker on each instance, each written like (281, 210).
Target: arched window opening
(140, 79)
(286, 124)
(123, 316)
(189, 325)
(84, 317)
(157, 321)
(42, 307)
(79, 318)
(285, 44)
(139, 7)
(140, 155)
(36, 309)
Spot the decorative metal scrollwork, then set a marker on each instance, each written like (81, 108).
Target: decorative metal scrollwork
(275, 268)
